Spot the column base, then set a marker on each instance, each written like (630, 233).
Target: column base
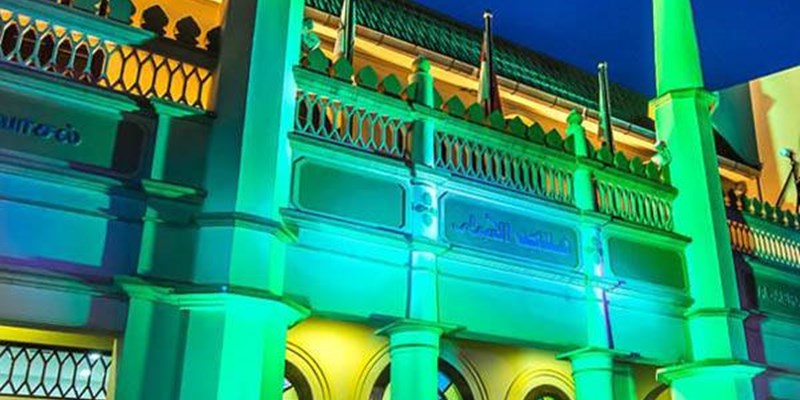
(713, 379)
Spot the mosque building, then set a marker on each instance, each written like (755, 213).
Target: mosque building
(367, 200)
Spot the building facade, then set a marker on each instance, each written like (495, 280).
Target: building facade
(198, 202)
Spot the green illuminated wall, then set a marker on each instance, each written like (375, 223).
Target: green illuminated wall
(215, 248)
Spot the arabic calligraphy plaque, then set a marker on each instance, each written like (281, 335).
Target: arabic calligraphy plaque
(480, 226)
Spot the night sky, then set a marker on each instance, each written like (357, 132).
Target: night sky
(740, 39)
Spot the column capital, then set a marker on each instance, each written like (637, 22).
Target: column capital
(706, 368)
(592, 353)
(239, 220)
(593, 370)
(664, 99)
(193, 296)
(415, 325)
(175, 110)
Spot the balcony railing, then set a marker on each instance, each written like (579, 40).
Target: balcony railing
(760, 230)
(465, 154)
(380, 117)
(339, 121)
(37, 43)
(634, 201)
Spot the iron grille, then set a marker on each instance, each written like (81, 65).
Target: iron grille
(54, 373)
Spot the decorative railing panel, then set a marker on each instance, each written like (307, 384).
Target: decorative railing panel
(147, 74)
(54, 373)
(759, 229)
(764, 243)
(347, 125)
(519, 172)
(621, 199)
(49, 48)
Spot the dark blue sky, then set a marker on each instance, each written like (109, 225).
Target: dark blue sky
(740, 39)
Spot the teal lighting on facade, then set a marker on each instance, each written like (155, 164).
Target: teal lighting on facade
(252, 211)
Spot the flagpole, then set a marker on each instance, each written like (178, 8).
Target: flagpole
(488, 89)
(346, 34)
(792, 178)
(605, 106)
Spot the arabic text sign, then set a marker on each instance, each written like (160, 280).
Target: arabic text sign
(479, 226)
(777, 296)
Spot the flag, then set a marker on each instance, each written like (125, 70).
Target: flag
(605, 106)
(346, 35)
(488, 90)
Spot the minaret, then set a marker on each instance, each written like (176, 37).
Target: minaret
(488, 89)
(346, 35)
(715, 323)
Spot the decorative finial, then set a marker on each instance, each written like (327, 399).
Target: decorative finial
(421, 64)
(487, 13)
(574, 118)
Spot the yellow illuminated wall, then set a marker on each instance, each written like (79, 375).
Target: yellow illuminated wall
(342, 360)
(207, 13)
(776, 105)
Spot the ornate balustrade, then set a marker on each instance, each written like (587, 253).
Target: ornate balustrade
(758, 229)
(492, 159)
(635, 200)
(53, 47)
(378, 116)
(342, 122)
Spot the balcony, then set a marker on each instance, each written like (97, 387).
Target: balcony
(374, 115)
(759, 230)
(91, 42)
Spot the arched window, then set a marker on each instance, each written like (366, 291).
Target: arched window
(452, 385)
(295, 385)
(546, 392)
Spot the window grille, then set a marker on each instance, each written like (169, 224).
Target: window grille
(53, 373)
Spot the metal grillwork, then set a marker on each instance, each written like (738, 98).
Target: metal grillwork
(629, 203)
(44, 47)
(44, 372)
(518, 172)
(335, 122)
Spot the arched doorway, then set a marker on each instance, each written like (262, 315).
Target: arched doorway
(295, 385)
(658, 393)
(546, 392)
(452, 385)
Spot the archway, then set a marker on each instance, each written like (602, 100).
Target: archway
(295, 385)
(546, 392)
(452, 385)
(539, 383)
